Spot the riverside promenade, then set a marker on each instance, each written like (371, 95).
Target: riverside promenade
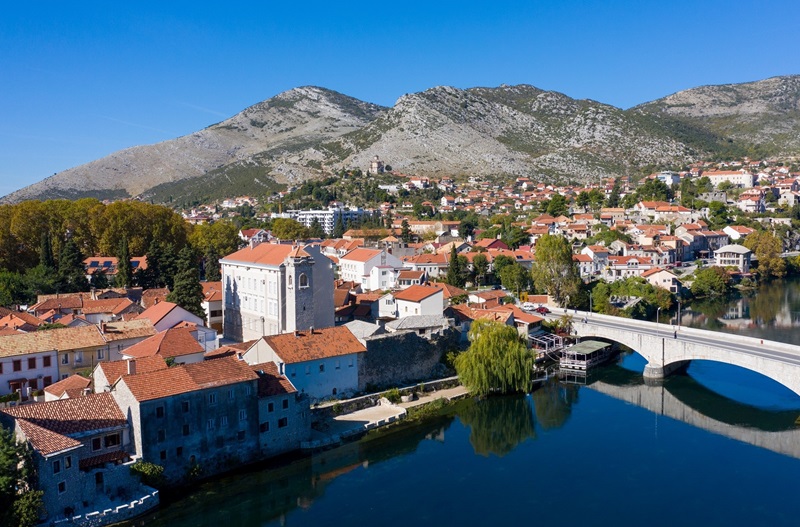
(340, 428)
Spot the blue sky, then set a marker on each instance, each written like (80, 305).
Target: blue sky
(80, 80)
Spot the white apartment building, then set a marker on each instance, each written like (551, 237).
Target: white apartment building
(275, 288)
(327, 218)
(374, 269)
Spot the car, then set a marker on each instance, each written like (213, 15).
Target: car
(527, 306)
(497, 287)
(542, 310)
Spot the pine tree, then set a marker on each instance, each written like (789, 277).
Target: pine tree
(46, 251)
(455, 270)
(315, 229)
(124, 274)
(187, 292)
(19, 504)
(338, 229)
(211, 263)
(405, 232)
(71, 275)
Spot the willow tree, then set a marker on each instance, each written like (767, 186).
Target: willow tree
(497, 361)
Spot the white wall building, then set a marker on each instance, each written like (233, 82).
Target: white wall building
(273, 288)
(374, 269)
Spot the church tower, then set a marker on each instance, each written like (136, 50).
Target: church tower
(299, 290)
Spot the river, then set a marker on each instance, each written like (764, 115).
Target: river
(717, 446)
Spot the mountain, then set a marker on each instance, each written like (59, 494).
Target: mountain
(764, 113)
(510, 130)
(504, 131)
(269, 141)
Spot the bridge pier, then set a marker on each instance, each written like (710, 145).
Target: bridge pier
(659, 371)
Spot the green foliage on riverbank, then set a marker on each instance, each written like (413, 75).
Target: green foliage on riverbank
(497, 361)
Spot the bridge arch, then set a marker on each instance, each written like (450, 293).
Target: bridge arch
(667, 349)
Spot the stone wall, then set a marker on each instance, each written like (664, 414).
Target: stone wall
(402, 358)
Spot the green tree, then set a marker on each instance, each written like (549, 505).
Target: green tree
(46, 251)
(456, 270)
(767, 248)
(481, 266)
(497, 361)
(554, 270)
(711, 281)
(557, 206)
(188, 292)
(288, 229)
(516, 278)
(405, 231)
(71, 275)
(211, 266)
(338, 228)
(20, 503)
(315, 229)
(12, 288)
(124, 273)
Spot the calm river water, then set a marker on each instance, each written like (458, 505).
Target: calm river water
(717, 446)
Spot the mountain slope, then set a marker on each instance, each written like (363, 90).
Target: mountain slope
(274, 138)
(765, 112)
(513, 130)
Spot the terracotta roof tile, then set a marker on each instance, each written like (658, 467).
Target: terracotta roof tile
(71, 383)
(270, 382)
(187, 378)
(302, 346)
(113, 370)
(416, 293)
(156, 312)
(48, 425)
(264, 253)
(52, 339)
(173, 342)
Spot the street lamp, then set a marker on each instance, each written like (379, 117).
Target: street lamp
(657, 312)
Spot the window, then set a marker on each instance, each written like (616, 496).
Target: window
(283, 422)
(303, 280)
(308, 369)
(162, 436)
(163, 455)
(65, 358)
(223, 421)
(210, 424)
(112, 440)
(67, 462)
(242, 415)
(290, 280)
(350, 362)
(1, 367)
(78, 357)
(62, 487)
(240, 435)
(270, 407)
(263, 427)
(186, 430)
(17, 365)
(212, 398)
(338, 365)
(45, 362)
(96, 444)
(179, 451)
(56, 466)
(231, 394)
(47, 380)
(100, 355)
(322, 367)
(32, 363)
(160, 412)
(185, 406)
(285, 404)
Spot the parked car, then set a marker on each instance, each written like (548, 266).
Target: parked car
(527, 306)
(542, 310)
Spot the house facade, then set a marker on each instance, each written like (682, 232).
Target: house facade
(270, 289)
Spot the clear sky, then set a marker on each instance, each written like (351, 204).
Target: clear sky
(80, 80)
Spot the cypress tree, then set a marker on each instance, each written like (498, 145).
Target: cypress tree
(211, 263)
(71, 275)
(46, 251)
(124, 274)
(187, 292)
(338, 229)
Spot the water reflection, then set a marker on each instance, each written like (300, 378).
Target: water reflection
(553, 403)
(499, 424)
(684, 399)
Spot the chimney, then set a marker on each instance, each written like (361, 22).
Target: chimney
(131, 366)
(311, 329)
(87, 391)
(103, 328)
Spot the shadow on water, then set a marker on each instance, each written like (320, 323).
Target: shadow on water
(691, 394)
(269, 491)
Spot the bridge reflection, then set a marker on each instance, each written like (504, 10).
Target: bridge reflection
(684, 399)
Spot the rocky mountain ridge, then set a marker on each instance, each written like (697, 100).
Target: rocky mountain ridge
(505, 131)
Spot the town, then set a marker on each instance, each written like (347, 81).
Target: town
(122, 390)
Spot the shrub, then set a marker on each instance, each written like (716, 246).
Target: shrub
(392, 395)
(149, 473)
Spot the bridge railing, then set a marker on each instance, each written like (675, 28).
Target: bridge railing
(727, 339)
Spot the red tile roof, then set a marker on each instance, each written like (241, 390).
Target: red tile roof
(48, 425)
(156, 312)
(270, 382)
(187, 378)
(74, 384)
(212, 291)
(264, 253)
(113, 370)
(302, 346)
(173, 342)
(416, 293)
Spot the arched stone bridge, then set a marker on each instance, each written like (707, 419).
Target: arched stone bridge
(667, 348)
